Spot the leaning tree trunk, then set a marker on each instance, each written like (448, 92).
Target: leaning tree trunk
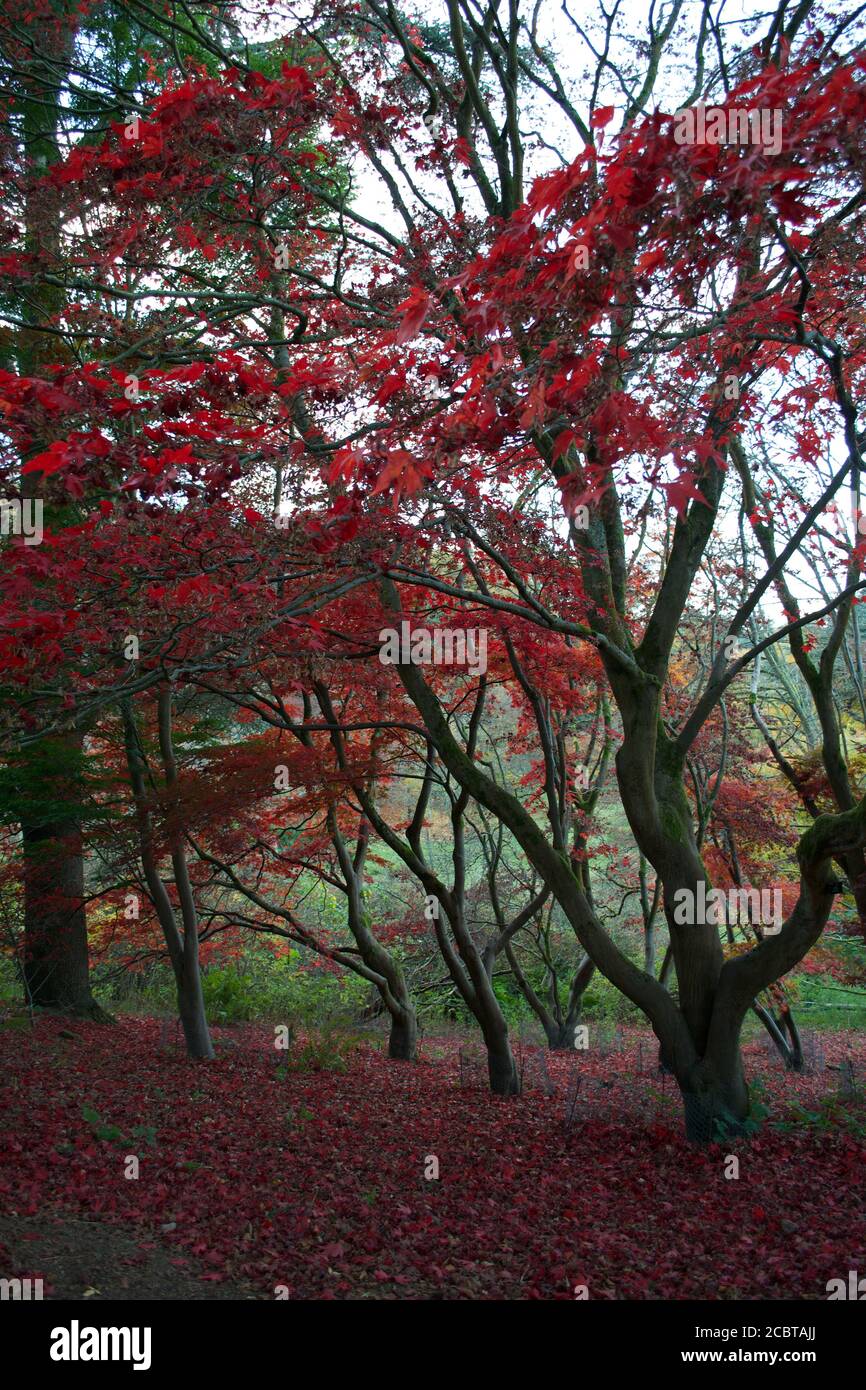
(403, 1033)
(789, 1047)
(187, 968)
(394, 998)
(385, 972)
(389, 980)
(475, 986)
(478, 994)
(182, 945)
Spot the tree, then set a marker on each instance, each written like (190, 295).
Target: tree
(588, 375)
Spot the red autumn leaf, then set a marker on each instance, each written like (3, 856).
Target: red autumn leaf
(414, 310)
(55, 457)
(602, 116)
(681, 492)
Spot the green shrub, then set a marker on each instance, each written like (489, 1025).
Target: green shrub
(229, 997)
(327, 1048)
(258, 987)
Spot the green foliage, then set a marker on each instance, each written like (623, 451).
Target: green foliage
(511, 1001)
(603, 1003)
(151, 989)
(832, 1113)
(297, 1116)
(146, 1133)
(259, 987)
(229, 997)
(851, 950)
(725, 1133)
(101, 1129)
(283, 991)
(11, 990)
(327, 1048)
(47, 783)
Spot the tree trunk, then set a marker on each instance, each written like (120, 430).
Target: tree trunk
(190, 1003)
(790, 1048)
(182, 946)
(854, 865)
(54, 919)
(393, 990)
(403, 1038)
(56, 972)
(700, 1034)
(557, 1037)
(190, 995)
(716, 1097)
(501, 1067)
(560, 1037)
(559, 1031)
(56, 964)
(388, 977)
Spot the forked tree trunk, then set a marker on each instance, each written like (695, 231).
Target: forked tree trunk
(390, 981)
(561, 1037)
(403, 1032)
(564, 1037)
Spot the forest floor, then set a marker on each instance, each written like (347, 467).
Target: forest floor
(259, 1181)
